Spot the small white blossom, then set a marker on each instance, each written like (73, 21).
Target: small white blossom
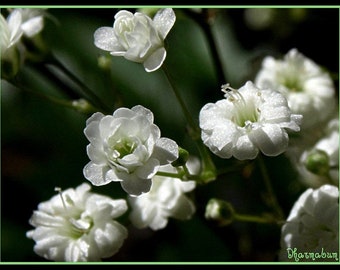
(78, 225)
(137, 37)
(10, 30)
(313, 223)
(20, 21)
(126, 147)
(32, 20)
(247, 121)
(309, 90)
(165, 199)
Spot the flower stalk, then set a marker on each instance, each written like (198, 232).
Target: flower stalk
(272, 200)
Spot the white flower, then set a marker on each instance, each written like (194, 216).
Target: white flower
(165, 199)
(313, 223)
(126, 147)
(32, 20)
(319, 164)
(137, 37)
(309, 90)
(78, 225)
(21, 21)
(247, 121)
(10, 30)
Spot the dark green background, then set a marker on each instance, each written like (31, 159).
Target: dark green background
(43, 145)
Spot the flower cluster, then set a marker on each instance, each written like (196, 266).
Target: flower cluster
(126, 147)
(20, 22)
(166, 199)
(137, 37)
(313, 223)
(247, 121)
(287, 112)
(78, 226)
(307, 87)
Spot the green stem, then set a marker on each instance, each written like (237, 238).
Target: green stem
(205, 22)
(51, 76)
(168, 174)
(58, 101)
(192, 124)
(272, 200)
(184, 175)
(208, 167)
(90, 94)
(251, 218)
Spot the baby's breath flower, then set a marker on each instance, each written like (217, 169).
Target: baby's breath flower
(78, 225)
(126, 147)
(313, 223)
(247, 121)
(137, 37)
(10, 30)
(165, 199)
(20, 22)
(308, 88)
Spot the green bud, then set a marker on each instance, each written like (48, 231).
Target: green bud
(317, 162)
(183, 156)
(104, 62)
(220, 211)
(207, 176)
(83, 106)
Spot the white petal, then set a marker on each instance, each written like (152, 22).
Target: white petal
(148, 169)
(110, 238)
(14, 21)
(96, 155)
(33, 26)
(155, 60)
(144, 112)
(136, 186)
(96, 174)
(270, 139)
(184, 209)
(164, 21)
(244, 149)
(166, 150)
(105, 39)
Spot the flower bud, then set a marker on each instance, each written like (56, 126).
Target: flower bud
(183, 156)
(83, 106)
(220, 211)
(104, 62)
(317, 162)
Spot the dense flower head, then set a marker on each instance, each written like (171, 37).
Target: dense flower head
(78, 225)
(20, 21)
(308, 88)
(313, 223)
(137, 37)
(126, 147)
(166, 199)
(247, 121)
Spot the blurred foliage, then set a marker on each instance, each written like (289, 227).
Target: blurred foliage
(43, 145)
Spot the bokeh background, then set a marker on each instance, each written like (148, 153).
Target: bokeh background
(43, 145)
